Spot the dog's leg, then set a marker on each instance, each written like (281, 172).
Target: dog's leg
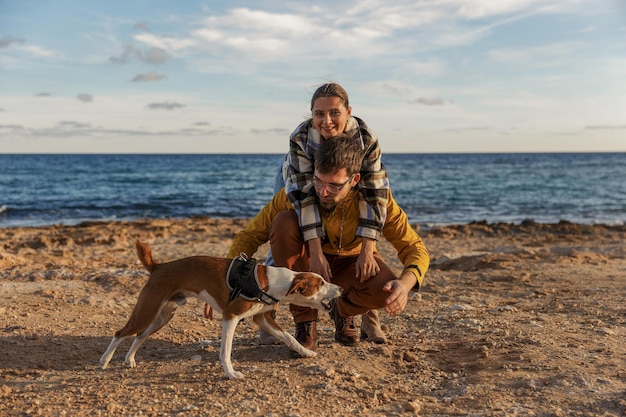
(267, 323)
(108, 354)
(166, 314)
(228, 333)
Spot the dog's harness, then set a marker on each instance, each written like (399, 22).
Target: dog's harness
(243, 281)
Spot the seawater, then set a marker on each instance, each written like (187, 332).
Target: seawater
(433, 189)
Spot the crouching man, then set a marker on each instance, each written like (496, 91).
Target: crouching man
(336, 176)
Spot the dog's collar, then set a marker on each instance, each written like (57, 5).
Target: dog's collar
(243, 281)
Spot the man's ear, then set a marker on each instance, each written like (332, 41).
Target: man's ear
(356, 178)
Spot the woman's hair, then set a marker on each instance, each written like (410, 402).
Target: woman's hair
(338, 152)
(330, 90)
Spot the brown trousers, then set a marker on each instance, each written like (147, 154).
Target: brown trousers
(289, 250)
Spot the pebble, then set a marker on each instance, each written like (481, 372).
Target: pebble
(504, 308)
(460, 307)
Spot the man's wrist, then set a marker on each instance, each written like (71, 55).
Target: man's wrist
(410, 280)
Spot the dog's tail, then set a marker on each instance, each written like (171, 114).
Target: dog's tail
(145, 255)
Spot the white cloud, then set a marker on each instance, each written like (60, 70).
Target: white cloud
(431, 101)
(544, 55)
(164, 42)
(479, 9)
(149, 76)
(165, 105)
(152, 55)
(37, 50)
(84, 97)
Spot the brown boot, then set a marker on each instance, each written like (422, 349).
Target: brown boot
(370, 328)
(306, 334)
(345, 331)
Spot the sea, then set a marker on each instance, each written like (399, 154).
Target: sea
(433, 189)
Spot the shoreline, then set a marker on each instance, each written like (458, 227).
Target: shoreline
(421, 226)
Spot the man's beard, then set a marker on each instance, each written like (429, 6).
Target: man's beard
(330, 206)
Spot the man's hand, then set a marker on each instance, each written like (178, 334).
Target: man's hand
(366, 265)
(399, 289)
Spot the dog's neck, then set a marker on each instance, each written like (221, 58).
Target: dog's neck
(277, 288)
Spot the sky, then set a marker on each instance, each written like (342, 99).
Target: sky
(427, 76)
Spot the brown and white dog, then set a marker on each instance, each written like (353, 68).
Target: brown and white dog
(204, 277)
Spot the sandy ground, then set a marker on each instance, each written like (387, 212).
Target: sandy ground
(513, 320)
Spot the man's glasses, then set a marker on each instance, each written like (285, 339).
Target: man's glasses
(330, 188)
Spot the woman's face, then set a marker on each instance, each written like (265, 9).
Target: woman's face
(330, 116)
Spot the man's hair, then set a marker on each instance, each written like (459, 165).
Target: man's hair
(330, 90)
(338, 152)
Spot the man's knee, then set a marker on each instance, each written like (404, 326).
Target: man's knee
(285, 225)
(287, 242)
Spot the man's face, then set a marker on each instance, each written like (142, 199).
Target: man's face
(332, 188)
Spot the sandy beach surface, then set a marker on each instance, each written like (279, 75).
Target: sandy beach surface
(513, 320)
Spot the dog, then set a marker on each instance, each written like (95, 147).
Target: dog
(205, 277)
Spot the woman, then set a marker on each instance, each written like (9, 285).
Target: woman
(331, 116)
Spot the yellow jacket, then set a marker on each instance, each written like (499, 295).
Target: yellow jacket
(397, 230)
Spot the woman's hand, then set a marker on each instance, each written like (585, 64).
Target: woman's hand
(317, 261)
(366, 265)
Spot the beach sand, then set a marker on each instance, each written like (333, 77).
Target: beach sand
(512, 320)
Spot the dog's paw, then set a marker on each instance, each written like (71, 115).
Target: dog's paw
(307, 353)
(234, 375)
(131, 363)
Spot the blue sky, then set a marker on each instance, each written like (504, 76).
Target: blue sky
(234, 76)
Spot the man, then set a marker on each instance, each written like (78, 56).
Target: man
(336, 175)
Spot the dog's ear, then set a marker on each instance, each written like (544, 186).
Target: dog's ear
(299, 284)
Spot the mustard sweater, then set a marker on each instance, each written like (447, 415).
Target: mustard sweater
(411, 249)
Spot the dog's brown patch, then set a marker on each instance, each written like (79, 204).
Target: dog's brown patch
(306, 284)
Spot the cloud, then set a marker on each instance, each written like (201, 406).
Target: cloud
(85, 98)
(545, 55)
(38, 50)
(480, 9)
(68, 128)
(165, 105)
(142, 26)
(302, 34)
(7, 41)
(43, 94)
(165, 43)
(431, 101)
(149, 76)
(67, 124)
(468, 129)
(150, 56)
(605, 127)
(276, 130)
(266, 36)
